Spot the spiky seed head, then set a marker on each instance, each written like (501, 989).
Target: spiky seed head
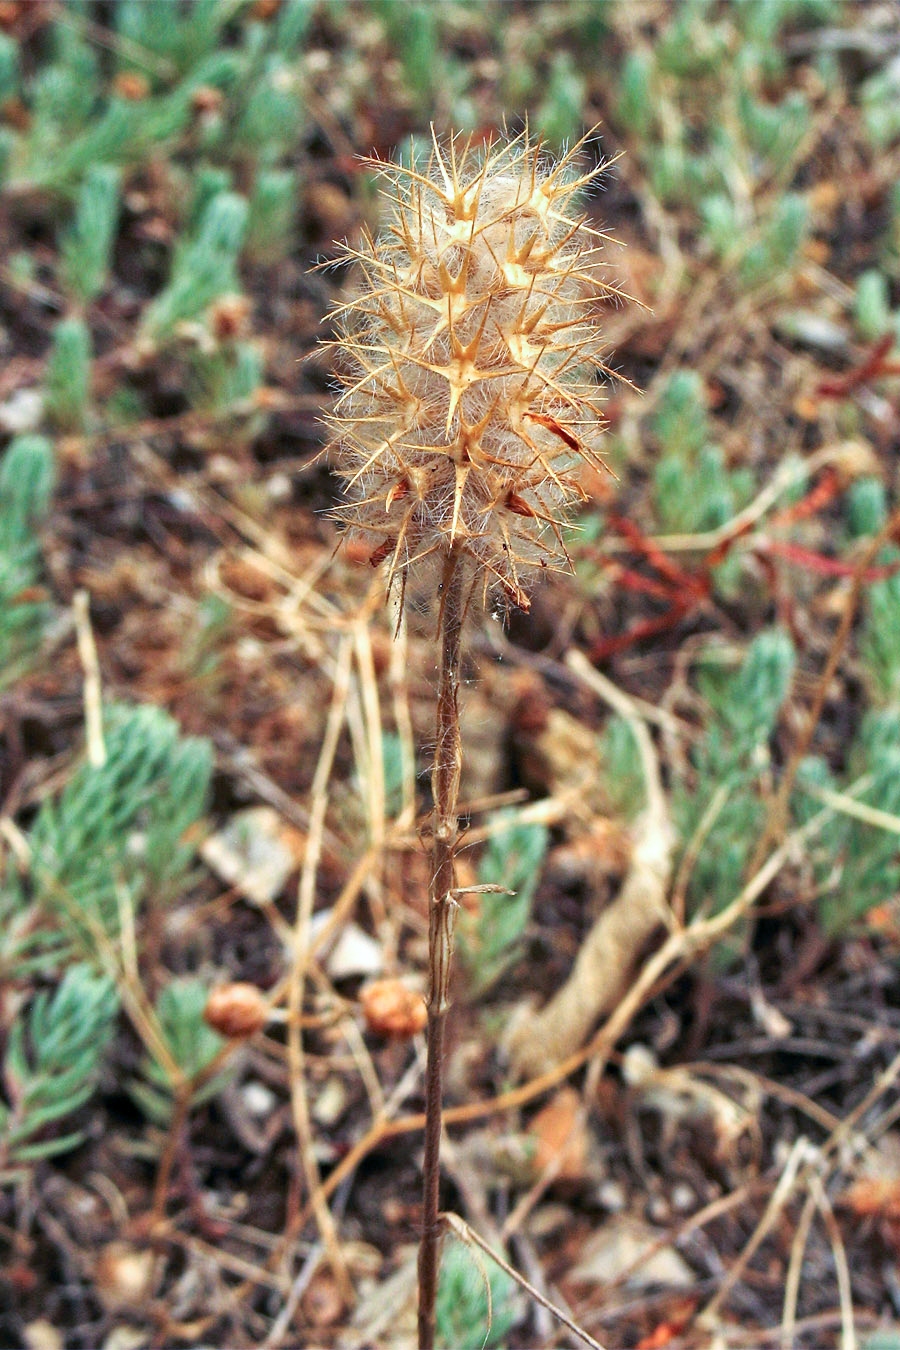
(469, 360)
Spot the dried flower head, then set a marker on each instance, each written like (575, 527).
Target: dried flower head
(469, 362)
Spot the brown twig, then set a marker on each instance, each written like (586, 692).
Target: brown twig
(445, 790)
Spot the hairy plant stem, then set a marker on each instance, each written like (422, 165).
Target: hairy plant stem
(442, 906)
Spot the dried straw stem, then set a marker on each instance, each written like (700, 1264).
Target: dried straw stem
(445, 790)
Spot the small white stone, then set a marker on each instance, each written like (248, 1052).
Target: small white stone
(250, 651)
(612, 1195)
(683, 1198)
(42, 1335)
(255, 851)
(638, 1065)
(259, 1100)
(279, 487)
(221, 469)
(330, 1102)
(124, 1337)
(22, 411)
(626, 1244)
(354, 954)
(658, 1209)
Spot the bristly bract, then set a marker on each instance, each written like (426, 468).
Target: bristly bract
(469, 356)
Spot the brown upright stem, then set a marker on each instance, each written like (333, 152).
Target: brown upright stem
(445, 791)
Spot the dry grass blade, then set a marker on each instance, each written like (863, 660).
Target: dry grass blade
(299, 957)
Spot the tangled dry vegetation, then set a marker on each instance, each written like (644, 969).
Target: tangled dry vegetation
(674, 1049)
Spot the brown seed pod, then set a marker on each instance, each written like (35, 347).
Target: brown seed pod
(131, 85)
(236, 1010)
(390, 1009)
(469, 358)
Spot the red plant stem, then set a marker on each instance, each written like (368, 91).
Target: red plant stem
(603, 648)
(819, 562)
(629, 580)
(654, 555)
(871, 368)
(818, 497)
(445, 791)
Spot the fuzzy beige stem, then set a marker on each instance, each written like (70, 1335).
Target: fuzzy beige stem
(603, 969)
(442, 905)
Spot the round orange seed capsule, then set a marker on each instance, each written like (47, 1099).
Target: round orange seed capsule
(236, 1010)
(391, 1009)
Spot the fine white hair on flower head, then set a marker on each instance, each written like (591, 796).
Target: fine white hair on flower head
(469, 359)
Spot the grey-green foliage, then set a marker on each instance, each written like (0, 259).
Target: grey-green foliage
(732, 757)
(204, 185)
(693, 488)
(873, 308)
(392, 760)
(879, 643)
(691, 45)
(774, 131)
(67, 384)
(559, 115)
(294, 18)
(201, 656)
(192, 1044)
(858, 863)
(87, 244)
(226, 379)
(272, 116)
(777, 249)
(413, 30)
(681, 422)
(204, 267)
(636, 108)
(123, 133)
(7, 146)
(113, 839)
(489, 941)
(78, 118)
(721, 224)
(892, 242)
(888, 1338)
(871, 855)
(699, 109)
(622, 773)
(180, 34)
(786, 230)
(467, 1317)
(865, 505)
(76, 123)
(880, 98)
(63, 92)
(761, 20)
(27, 474)
(51, 1065)
(9, 67)
(678, 175)
(273, 213)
